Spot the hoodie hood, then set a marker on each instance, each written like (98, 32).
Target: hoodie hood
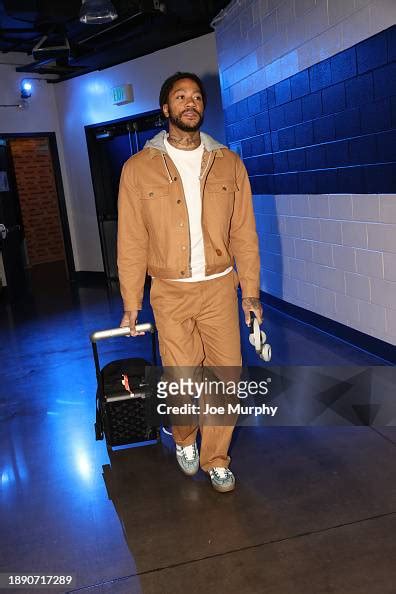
(157, 142)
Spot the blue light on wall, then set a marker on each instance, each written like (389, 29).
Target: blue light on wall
(26, 89)
(329, 129)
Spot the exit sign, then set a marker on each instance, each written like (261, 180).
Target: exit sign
(122, 94)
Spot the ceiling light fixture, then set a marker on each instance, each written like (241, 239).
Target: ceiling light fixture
(96, 12)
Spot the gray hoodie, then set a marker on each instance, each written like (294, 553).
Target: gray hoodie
(157, 142)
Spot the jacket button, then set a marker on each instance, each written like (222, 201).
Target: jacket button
(224, 187)
(218, 252)
(179, 201)
(151, 194)
(182, 272)
(182, 224)
(183, 247)
(175, 179)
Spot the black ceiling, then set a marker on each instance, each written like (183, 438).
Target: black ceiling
(142, 27)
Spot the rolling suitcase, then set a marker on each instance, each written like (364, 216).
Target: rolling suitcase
(124, 397)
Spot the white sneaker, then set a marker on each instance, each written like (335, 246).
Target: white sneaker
(188, 458)
(222, 479)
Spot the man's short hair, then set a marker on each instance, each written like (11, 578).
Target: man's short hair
(168, 85)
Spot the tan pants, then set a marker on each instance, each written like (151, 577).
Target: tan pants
(198, 325)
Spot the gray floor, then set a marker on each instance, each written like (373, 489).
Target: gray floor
(314, 510)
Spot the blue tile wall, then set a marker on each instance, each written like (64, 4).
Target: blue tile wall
(328, 129)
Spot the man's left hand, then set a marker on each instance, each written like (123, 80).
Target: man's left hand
(252, 304)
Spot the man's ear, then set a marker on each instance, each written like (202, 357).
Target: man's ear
(165, 110)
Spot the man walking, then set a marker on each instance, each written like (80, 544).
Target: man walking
(185, 214)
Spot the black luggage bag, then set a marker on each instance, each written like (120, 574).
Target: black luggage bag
(124, 397)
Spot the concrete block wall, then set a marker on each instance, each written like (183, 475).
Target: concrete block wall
(332, 254)
(329, 128)
(262, 42)
(312, 112)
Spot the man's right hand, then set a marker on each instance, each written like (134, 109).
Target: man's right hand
(130, 319)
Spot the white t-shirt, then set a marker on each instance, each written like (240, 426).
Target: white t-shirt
(188, 164)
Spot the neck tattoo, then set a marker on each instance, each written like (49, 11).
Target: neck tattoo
(187, 144)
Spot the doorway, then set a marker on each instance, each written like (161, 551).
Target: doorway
(12, 272)
(37, 195)
(109, 146)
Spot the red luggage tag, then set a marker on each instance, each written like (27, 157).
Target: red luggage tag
(125, 383)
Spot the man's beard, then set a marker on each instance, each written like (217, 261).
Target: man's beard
(185, 127)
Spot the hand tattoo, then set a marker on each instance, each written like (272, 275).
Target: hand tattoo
(252, 302)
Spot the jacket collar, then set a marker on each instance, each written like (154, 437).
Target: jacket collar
(157, 143)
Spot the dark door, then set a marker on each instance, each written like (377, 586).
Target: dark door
(109, 147)
(111, 153)
(11, 232)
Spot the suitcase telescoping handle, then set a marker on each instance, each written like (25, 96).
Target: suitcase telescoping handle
(114, 333)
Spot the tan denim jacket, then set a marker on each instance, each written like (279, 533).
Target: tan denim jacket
(153, 226)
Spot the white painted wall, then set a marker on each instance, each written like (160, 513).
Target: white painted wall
(87, 100)
(332, 254)
(41, 114)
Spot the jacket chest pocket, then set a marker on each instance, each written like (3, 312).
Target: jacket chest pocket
(221, 196)
(153, 193)
(154, 201)
(221, 188)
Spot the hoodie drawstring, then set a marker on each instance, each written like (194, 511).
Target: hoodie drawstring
(167, 168)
